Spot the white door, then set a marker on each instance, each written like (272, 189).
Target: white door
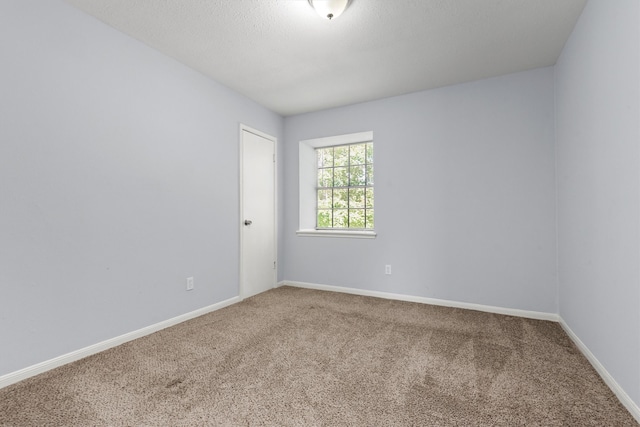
(258, 212)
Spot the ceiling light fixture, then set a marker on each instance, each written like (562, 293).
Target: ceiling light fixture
(329, 9)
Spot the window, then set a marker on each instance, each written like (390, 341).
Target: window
(336, 186)
(344, 196)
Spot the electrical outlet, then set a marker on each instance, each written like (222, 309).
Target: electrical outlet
(189, 283)
(387, 269)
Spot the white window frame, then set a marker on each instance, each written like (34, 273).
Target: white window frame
(308, 181)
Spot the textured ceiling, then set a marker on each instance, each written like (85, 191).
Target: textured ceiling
(281, 54)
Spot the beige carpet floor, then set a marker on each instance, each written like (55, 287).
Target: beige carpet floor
(297, 357)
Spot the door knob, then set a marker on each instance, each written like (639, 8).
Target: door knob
(247, 222)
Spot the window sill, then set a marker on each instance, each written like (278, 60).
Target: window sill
(338, 233)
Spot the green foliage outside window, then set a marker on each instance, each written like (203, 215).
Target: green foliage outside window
(345, 187)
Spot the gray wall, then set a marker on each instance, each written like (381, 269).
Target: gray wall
(598, 116)
(465, 195)
(118, 179)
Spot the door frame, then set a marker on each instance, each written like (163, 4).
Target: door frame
(244, 128)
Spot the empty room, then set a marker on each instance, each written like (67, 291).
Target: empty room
(320, 212)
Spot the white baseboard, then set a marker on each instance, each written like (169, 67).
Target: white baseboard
(47, 365)
(432, 301)
(622, 395)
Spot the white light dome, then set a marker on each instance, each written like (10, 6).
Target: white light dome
(329, 9)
